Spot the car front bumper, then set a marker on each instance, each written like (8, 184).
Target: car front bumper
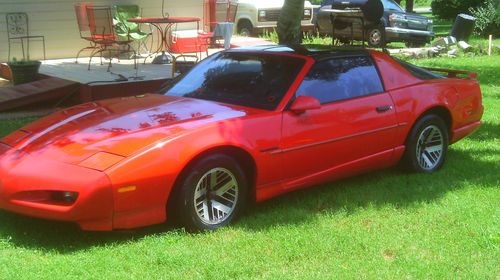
(396, 33)
(23, 174)
(271, 26)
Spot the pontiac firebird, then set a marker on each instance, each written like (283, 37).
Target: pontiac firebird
(243, 125)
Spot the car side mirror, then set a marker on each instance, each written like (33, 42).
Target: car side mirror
(304, 103)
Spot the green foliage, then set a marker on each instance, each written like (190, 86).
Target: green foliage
(307, 38)
(449, 9)
(23, 61)
(487, 18)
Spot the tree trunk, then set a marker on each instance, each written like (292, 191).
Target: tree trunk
(289, 27)
(409, 5)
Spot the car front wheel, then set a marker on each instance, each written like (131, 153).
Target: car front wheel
(427, 145)
(376, 37)
(245, 28)
(212, 194)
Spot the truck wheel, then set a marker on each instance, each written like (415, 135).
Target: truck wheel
(376, 37)
(245, 28)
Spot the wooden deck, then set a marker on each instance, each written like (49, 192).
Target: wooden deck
(62, 78)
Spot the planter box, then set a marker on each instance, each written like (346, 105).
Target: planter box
(24, 72)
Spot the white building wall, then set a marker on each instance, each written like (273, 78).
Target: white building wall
(56, 20)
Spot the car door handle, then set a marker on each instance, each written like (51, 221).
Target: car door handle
(381, 109)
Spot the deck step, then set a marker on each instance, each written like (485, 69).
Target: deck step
(12, 97)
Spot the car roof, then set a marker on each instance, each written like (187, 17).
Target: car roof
(316, 51)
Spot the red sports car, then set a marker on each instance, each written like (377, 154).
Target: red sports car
(244, 124)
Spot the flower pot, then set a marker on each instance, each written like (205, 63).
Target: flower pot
(24, 72)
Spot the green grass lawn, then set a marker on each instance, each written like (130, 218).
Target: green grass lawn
(382, 225)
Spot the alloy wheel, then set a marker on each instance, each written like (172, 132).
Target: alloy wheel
(375, 37)
(216, 196)
(429, 148)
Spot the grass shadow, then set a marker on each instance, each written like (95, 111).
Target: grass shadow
(391, 187)
(376, 189)
(45, 235)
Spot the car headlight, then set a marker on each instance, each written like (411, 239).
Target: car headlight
(307, 13)
(262, 15)
(101, 161)
(53, 197)
(396, 20)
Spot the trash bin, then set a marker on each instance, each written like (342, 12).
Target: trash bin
(462, 27)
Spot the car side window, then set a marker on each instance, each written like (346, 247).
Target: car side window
(342, 78)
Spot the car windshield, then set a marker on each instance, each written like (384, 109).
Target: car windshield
(253, 80)
(390, 5)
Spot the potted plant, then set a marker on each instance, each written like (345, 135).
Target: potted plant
(24, 71)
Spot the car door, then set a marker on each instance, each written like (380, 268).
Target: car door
(356, 123)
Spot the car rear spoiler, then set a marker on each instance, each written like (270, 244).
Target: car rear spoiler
(450, 73)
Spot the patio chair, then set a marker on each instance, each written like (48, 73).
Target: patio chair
(18, 32)
(124, 28)
(103, 34)
(84, 28)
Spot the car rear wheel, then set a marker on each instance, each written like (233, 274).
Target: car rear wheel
(212, 194)
(427, 145)
(376, 37)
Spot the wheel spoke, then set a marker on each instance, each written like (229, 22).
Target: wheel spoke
(433, 149)
(222, 190)
(222, 209)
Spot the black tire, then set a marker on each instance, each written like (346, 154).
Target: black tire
(245, 28)
(376, 37)
(427, 135)
(196, 177)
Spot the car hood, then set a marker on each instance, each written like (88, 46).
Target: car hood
(119, 126)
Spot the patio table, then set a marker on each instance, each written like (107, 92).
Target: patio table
(164, 26)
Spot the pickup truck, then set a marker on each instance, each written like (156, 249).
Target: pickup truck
(256, 16)
(395, 25)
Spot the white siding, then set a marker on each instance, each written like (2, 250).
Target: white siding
(56, 20)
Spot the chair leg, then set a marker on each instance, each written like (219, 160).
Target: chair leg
(44, 53)
(22, 48)
(80, 51)
(110, 60)
(9, 52)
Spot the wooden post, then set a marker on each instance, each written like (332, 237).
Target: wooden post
(489, 44)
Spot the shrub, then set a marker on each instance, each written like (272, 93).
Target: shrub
(487, 18)
(449, 9)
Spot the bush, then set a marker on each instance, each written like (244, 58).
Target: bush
(449, 9)
(487, 18)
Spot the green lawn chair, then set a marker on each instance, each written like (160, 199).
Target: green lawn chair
(126, 29)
